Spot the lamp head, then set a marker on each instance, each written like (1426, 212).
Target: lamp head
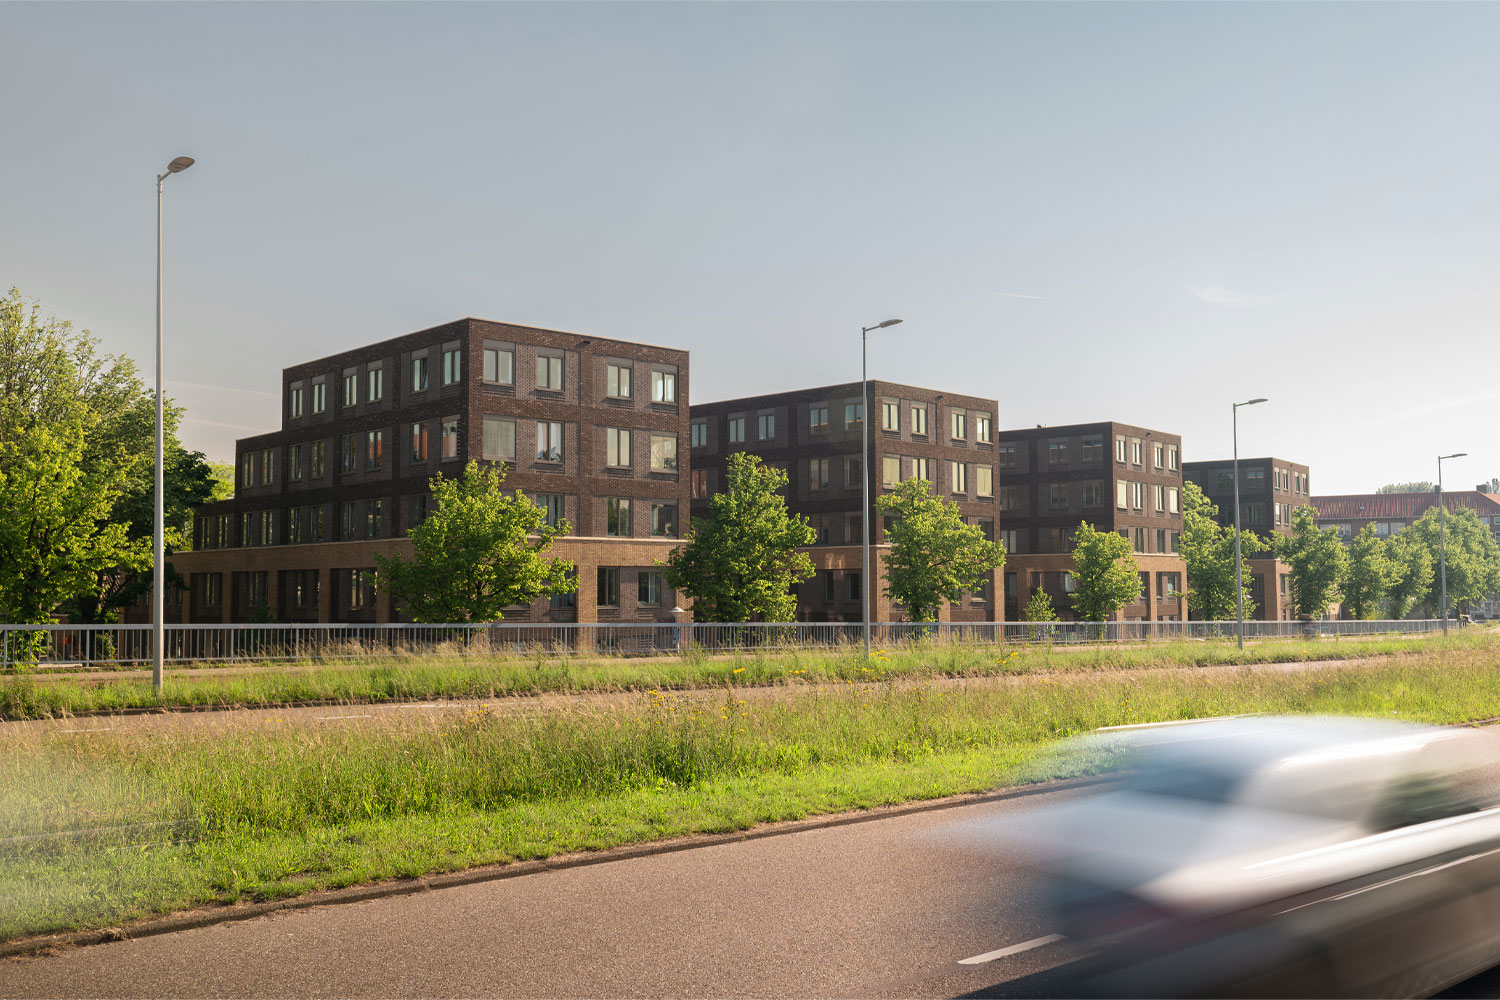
(889, 322)
(1456, 454)
(180, 164)
(1252, 402)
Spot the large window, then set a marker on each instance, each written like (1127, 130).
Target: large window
(699, 479)
(450, 437)
(549, 441)
(984, 480)
(817, 419)
(982, 428)
(294, 402)
(663, 452)
(921, 468)
(499, 438)
(608, 594)
(351, 388)
(319, 397)
(700, 434)
(315, 461)
(1093, 449)
(1057, 452)
(1008, 456)
(736, 430)
(552, 507)
(374, 518)
(765, 427)
(268, 527)
(890, 415)
(419, 442)
(890, 470)
(960, 425)
(958, 473)
(919, 418)
(817, 473)
(549, 372)
(348, 457)
(500, 365)
(664, 520)
(418, 374)
(854, 413)
(663, 386)
(620, 381)
(648, 593)
(617, 447)
(453, 366)
(294, 463)
(346, 520)
(374, 449)
(618, 520)
(376, 384)
(267, 467)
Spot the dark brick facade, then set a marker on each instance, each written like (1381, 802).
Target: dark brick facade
(814, 435)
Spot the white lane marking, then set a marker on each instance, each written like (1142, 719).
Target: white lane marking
(1014, 949)
(429, 704)
(325, 718)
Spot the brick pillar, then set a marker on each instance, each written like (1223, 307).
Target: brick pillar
(325, 595)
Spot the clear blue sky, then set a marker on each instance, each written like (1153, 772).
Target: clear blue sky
(1138, 212)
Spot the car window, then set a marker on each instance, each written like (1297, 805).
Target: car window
(1422, 798)
(1198, 784)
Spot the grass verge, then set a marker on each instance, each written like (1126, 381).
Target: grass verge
(478, 677)
(100, 828)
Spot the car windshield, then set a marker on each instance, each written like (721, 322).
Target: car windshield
(1197, 782)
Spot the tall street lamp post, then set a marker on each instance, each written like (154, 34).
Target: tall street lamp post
(159, 565)
(864, 512)
(1239, 590)
(1443, 535)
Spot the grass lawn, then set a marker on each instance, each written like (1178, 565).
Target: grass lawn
(102, 827)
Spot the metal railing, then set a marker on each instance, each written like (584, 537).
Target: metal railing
(115, 646)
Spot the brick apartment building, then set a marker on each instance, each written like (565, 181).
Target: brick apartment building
(1270, 489)
(1390, 512)
(1115, 476)
(814, 435)
(589, 428)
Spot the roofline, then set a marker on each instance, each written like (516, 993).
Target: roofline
(852, 383)
(1073, 427)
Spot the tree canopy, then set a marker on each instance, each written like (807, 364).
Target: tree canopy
(740, 562)
(1418, 486)
(1473, 557)
(1370, 576)
(1207, 548)
(482, 550)
(1318, 561)
(934, 556)
(1107, 574)
(1414, 573)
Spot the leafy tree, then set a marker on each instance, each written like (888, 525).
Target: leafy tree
(1039, 608)
(1415, 569)
(1421, 486)
(1473, 557)
(1371, 574)
(480, 552)
(70, 430)
(1208, 549)
(739, 563)
(1318, 562)
(934, 556)
(1106, 571)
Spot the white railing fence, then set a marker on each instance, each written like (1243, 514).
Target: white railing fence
(115, 646)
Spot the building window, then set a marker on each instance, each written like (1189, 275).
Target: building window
(222, 537)
(351, 388)
(499, 439)
(736, 430)
(851, 583)
(829, 585)
(356, 589)
(1057, 496)
(566, 599)
(418, 374)
(1093, 449)
(986, 527)
(1093, 494)
(1255, 513)
(649, 589)
(450, 437)
(1159, 498)
(959, 475)
(664, 520)
(294, 402)
(960, 420)
(1172, 495)
(817, 419)
(552, 507)
(419, 442)
(549, 372)
(1122, 494)
(212, 582)
(1057, 452)
(305, 588)
(920, 469)
(1007, 456)
(608, 595)
(619, 381)
(663, 386)
(700, 483)
(1135, 451)
(617, 447)
(854, 413)
(982, 428)
(315, 460)
(765, 427)
(316, 524)
(1257, 473)
(319, 397)
(1138, 496)
(919, 419)
(346, 520)
(500, 366)
(1140, 539)
(1173, 539)
(852, 469)
(817, 473)
(1226, 480)
(374, 449)
(376, 379)
(268, 527)
(267, 467)
(663, 452)
(1159, 455)
(984, 480)
(294, 462)
(1172, 457)
(374, 511)
(890, 473)
(245, 538)
(1120, 448)
(247, 469)
(1168, 584)
(348, 458)
(549, 441)
(618, 519)
(417, 512)
(700, 434)
(890, 415)
(453, 366)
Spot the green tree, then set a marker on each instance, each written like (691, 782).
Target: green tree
(1370, 576)
(1473, 557)
(481, 551)
(1106, 571)
(740, 562)
(1207, 547)
(1420, 486)
(933, 556)
(70, 432)
(1039, 608)
(1318, 561)
(1414, 573)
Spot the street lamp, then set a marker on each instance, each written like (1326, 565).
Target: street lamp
(1443, 535)
(1239, 590)
(159, 566)
(864, 462)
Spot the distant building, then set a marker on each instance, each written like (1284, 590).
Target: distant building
(590, 429)
(1115, 476)
(814, 435)
(1270, 489)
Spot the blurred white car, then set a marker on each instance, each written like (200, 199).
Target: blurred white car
(1304, 856)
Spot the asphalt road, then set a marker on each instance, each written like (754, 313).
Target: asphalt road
(884, 908)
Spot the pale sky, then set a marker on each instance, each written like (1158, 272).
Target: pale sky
(1133, 212)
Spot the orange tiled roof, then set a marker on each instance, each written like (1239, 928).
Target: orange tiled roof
(1399, 506)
